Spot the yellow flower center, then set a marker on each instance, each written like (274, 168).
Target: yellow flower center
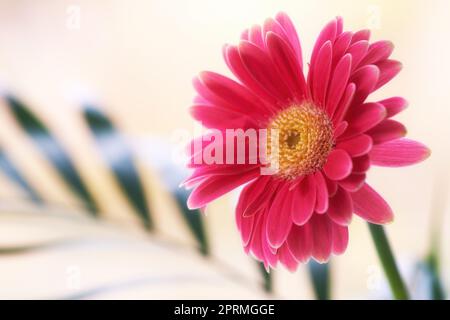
(305, 138)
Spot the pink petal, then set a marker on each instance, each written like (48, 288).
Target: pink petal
(340, 238)
(255, 192)
(339, 25)
(238, 211)
(300, 242)
(332, 187)
(296, 182)
(255, 36)
(321, 193)
(356, 146)
(340, 129)
(386, 131)
(304, 200)
(341, 45)
(370, 206)
(220, 118)
(286, 31)
(365, 79)
(255, 244)
(279, 220)
(353, 182)
(344, 104)
(361, 35)
(260, 200)
(394, 105)
(216, 186)
(245, 35)
(358, 51)
(338, 165)
(234, 62)
(271, 25)
(245, 224)
(287, 258)
(363, 117)
(327, 34)
(285, 61)
(207, 171)
(361, 164)
(388, 70)
(192, 182)
(399, 153)
(270, 257)
(341, 208)
(322, 237)
(229, 94)
(321, 73)
(198, 99)
(378, 51)
(292, 35)
(338, 83)
(263, 70)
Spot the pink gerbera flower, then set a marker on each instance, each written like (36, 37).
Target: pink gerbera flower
(329, 136)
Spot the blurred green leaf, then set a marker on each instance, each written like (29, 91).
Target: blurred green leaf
(159, 154)
(52, 150)
(266, 276)
(12, 173)
(320, 278)
(118, 155)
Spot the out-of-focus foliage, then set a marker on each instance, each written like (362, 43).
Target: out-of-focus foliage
(52, 149)
(11, 171)
(118, 156)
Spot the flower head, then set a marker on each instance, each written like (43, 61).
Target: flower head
(327, 136)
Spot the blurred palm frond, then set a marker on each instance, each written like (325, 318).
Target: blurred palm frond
(118, 156)
(52, 149)
(13, 174)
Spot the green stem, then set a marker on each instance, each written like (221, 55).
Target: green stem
(321, 279)
(437, 289)
(388, 261)
(267, 278)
